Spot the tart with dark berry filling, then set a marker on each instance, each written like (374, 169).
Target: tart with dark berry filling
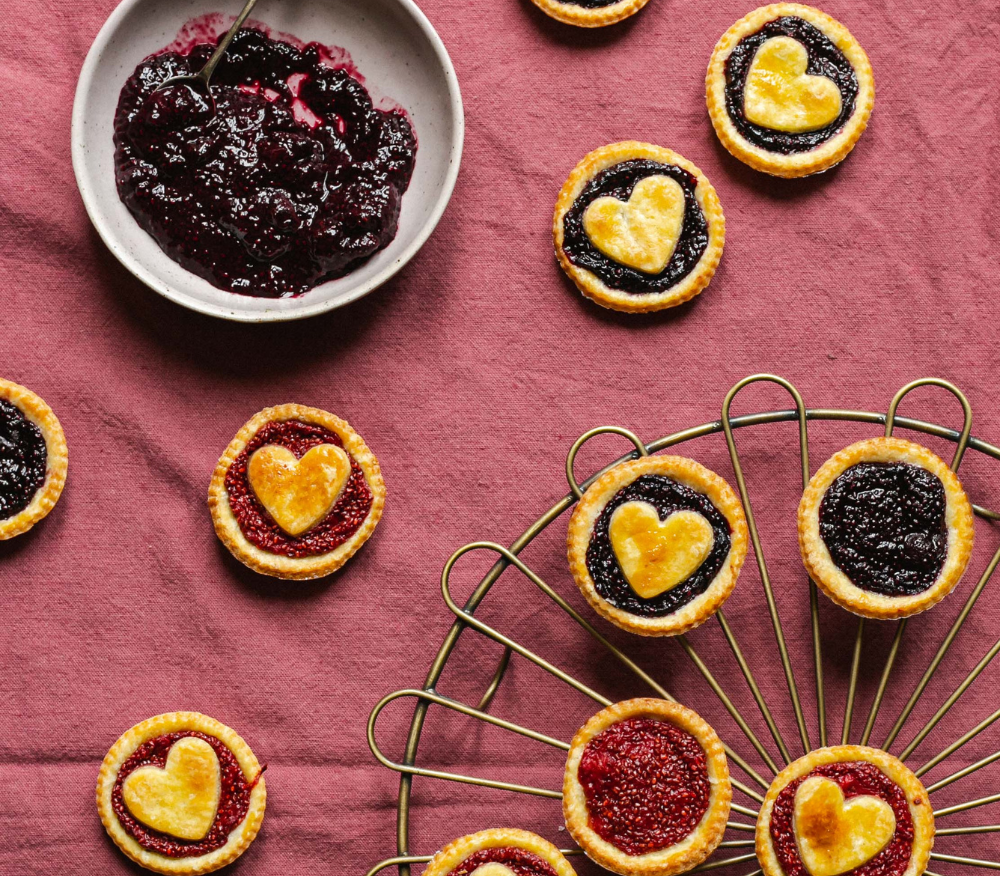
(33, 459)
(646, 790)
(181, 793)
(846, 809)
(656, 544)
(789, 90)
(885, 528)
(638, 228)
(296, 493)
(590, 13)
(499, 852)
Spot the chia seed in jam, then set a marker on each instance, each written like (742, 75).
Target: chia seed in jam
(521, 861)
(618, 182)
(344, 519)
(667, 496)
(856, 779)
(646, 784)
(233, 802)
(825, 59)
(884, 525)
(23, 457)
(294, 179)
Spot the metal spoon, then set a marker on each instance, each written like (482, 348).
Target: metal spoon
(202, 77)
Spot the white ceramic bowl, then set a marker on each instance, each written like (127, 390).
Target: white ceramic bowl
(395, 49)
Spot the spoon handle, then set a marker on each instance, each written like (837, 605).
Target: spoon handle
(206, 72)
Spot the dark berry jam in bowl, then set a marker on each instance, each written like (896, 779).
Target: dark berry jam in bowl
(305, 188)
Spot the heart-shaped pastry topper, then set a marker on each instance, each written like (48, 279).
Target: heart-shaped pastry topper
(493, 868)
(182, 798)
(835, 835)
(642, 232)
(298, 493)
(780, 95)
(656, 555)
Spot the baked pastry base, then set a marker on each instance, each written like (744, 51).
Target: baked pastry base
(457, 851)
(160, 725)
(581, 16)
(828, 576)
(677, 858)
(293, 568)
(691, 474)
(827, 154)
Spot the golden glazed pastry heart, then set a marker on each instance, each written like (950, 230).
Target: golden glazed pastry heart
(835, 835)
(780, 95)
(493, 868)
(642, 232)
(298, 493)
(656, 555)
(182, 798)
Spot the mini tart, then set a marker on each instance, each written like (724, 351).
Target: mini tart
(178, 794)
(638, 228)
(593, 14)
(680, 780)
(846, 830)
(699, 571)
(32, 439)
(935, 552)
(256, 509)
(809, 85)
(489, 848)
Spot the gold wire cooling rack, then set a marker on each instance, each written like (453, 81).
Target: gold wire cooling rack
(508, 557)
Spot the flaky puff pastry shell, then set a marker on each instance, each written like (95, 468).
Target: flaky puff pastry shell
(581, 16)
(453, 854)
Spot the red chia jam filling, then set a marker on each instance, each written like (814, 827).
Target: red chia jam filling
(646, 784)
(293, 178)
(23, 458)
(233, 803)
(347, 514)
(856, 779)
(521, 861)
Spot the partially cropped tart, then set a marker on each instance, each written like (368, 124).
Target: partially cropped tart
(638, 228)
(181, 793)
(499, 852)
(885, 528)
(789, 90)
(656, 544)
(296, 493)
(33, 459)
(846, 809)
(590, 13)
(646, 790)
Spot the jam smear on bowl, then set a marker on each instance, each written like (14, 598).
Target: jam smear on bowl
(233, 802)
(646, 784)
(285, 176)
(23, 459)
(520, 861)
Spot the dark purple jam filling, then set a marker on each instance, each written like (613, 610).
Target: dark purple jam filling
(884, 525)
(294, 179)
(825, 59)
(233, 803)
(23, 458)
(521, 861)
(590, 4)
(344, 519)
(667, 496)
(618, 182)
(646, 784)
(856, 779)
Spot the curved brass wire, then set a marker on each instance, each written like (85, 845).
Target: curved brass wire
(494, 685)
(575, 488)
(969, 862)
(958, 743)
(398, 862)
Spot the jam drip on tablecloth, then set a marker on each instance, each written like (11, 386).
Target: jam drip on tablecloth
(520, 861)
(667, 496)
(825, 59)
(646, 784)
(296, 178)
(23, 458)
(618, 182)
(347, 514)
(856, 779)
(884, 525)
(233, 803)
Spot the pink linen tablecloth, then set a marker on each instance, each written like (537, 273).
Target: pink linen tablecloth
(470, 375)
